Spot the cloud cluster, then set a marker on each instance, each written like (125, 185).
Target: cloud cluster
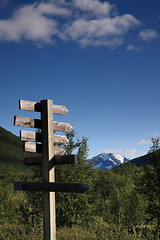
(148, 141)
(144, 142)
(95, 7)
(148, 35)
(88, 22)
(133, 48)
(102, 31)
(32, 22)
(127, 153)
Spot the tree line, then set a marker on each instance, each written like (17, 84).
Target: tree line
(124, 200)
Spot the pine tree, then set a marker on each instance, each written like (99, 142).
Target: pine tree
(151, 184)
(155, 144)
(75, 208)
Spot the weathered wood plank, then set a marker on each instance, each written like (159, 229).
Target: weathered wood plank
(31, 136)
(58, 139)
(27, 122)
(51, 187)
(62, 159)
(32, 161)
(63, 127)
(32, 147)
(36, 106)
(62, 110)
(37, 148)
(58, 150)
(37, 137)
(36, 123)
(57, 160)
(48, 151)
(29, 106)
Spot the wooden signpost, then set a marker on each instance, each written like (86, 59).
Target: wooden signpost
(46, 142)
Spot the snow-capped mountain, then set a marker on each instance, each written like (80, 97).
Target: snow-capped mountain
(106, 161)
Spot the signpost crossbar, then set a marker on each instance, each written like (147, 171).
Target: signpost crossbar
(51, 187)
(47, 143)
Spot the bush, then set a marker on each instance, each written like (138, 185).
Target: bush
(18, 232)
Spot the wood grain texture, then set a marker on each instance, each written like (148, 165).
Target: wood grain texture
(63, 127)
(48, 151)
(32, 147)
(57, 160)
(36, 123)
(51, 187)
(27, 122)
(30, 136)
(36, 106)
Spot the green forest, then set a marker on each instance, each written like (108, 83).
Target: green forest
(121, 203)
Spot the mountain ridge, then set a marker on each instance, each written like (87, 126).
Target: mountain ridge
(106, 161)
(11, 151)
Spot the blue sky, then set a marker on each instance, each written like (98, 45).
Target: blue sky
(100, 59)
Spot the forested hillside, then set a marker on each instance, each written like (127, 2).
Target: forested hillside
(121, 203)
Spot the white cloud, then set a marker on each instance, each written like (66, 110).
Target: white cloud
(148, 141)
(105, 31)
(95, 7)
(155, 135)
(148, 35)
(133, 48)
(127, 153)
(31, 23)
(144, 142)
(52, 9)
(96, 24)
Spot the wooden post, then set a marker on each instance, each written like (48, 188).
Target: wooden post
(49, 215)
(50, 157)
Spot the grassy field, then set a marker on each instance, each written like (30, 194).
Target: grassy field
(97, 231)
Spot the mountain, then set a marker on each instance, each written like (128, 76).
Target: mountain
(107, 161)
(146, 159)
(11, 148)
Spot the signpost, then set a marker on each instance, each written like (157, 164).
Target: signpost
(45, 142)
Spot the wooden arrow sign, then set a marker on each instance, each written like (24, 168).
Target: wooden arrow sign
(51, 187)
(27, 122)
(63, 127)
(36, 107)
(57, 160)
(36, 123)
(37, 148)
(58, 139)
(32, 147)
(31, 136)
(37, 137)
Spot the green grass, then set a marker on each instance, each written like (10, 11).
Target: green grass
(96, 231)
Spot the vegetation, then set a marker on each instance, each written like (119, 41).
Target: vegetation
(121, 203)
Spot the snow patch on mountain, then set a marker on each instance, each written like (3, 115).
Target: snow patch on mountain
(107, 161)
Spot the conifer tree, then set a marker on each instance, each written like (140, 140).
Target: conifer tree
(74, 208)
(155, 144)
(151, 184)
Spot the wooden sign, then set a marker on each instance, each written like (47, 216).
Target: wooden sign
(45, 142)
(37, 148)
(32, 147)
(37, 137)
(31, 136)
(57, 160)
(27, 122)
(51, 187)
(58, 139)
(63, 127)
(36, 123)
(36, 107)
